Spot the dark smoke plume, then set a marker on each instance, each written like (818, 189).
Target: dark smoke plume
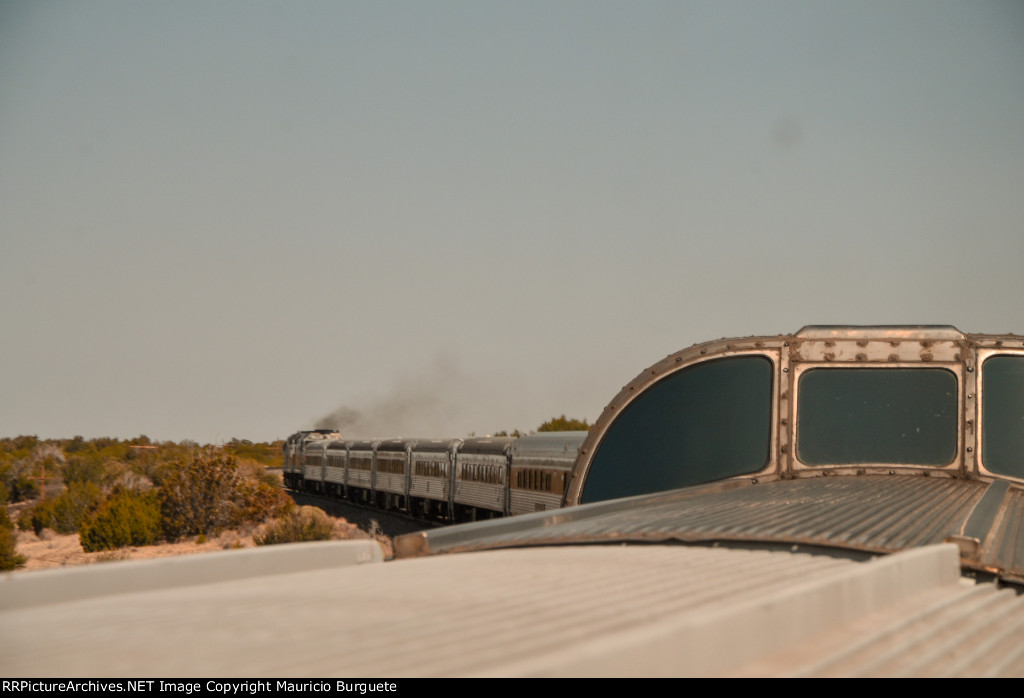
(428, 404)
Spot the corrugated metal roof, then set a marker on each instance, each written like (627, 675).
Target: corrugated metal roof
(644, 610)
(1004, 547)
(868, 513)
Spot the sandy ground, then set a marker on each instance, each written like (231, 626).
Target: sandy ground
(55, 550)
(52, 549)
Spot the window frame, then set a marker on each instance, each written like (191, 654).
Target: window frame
(798, 370)
(983, 356)
(652, 377)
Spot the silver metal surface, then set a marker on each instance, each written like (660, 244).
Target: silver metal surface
(656, 610)
(868, 514)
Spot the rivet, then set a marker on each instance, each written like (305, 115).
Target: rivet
(970, 369)
(970, 449)
(785, 370)
(970, 396)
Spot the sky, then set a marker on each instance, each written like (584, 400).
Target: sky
(232, 219)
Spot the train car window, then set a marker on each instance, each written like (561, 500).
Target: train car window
(877, 415)
(1002, 415)
(704, 423)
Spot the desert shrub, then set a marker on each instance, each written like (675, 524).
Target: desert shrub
(125, 518)
(9, 557)
(70, 509)
(212, 492)
(36, 517)
(21, 488)
(84, 469)
(4, 494)
(302, 524)
(258, 499)
(198, 497)
(65, 513)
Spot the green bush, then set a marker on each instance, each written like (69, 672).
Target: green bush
(36, 517)
(303, 524)
(9, 557)
(66, 512)
(72, 507)
(22, 488)
(126, 518)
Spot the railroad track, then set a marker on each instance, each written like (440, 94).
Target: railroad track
(391, 523)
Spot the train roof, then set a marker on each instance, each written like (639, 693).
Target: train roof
(363, 445)
(335, 610)
(396, 445)
(437, 445)
(487, 444)
(551, 444)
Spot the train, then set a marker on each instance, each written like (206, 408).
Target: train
(447, 480)
(838, 501)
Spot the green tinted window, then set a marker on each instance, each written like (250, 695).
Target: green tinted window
(707, 422)
(877, 415)
(1002, 445)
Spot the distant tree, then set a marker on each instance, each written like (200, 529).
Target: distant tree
(564, 423)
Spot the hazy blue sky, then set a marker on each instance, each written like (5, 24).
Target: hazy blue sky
(228, 219)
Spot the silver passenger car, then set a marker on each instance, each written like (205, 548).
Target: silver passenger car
(361, 462)
(391, 483)
(430, 479)
(541, 464)
(335, 478)
(481, 477)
